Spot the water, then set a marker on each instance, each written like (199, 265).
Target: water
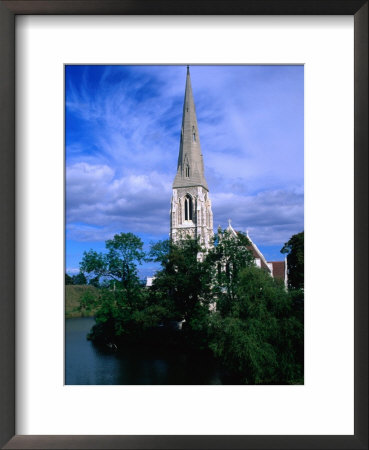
(88, 364)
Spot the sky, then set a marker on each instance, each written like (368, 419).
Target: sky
(122, 134)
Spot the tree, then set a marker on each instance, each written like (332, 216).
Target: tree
(258, 339)
(226, 259)
(183, 284)
(294, 249)
(159, 252)
(183, 289)
(79, 279)
(94, 282)
(68, 279)
(121, 294)
(124, 251)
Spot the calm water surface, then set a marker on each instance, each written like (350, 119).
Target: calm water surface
(88, 364)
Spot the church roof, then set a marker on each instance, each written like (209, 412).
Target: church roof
(277, 269)
(256, 253)
(230, 229)
(190, 168)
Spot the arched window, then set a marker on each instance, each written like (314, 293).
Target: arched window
(188, 207)
(187, 171)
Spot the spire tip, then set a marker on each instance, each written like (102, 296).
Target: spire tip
(188, 70)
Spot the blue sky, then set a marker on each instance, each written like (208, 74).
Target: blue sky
(122, 130)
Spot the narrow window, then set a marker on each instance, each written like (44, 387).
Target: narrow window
(188, 208)
(194, 134)
(187, 171)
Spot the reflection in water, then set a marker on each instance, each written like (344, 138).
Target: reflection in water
(88, 364)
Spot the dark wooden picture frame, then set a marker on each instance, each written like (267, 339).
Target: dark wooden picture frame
(8, 11)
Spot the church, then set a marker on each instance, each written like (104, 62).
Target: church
(190, 212)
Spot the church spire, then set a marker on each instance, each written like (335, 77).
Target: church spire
(190, 210)
(190, 169)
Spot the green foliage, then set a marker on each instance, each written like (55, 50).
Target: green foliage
(122, 297)
(256, 339)
(124, 251)
(94, 282)
(294, 249)
(150, 316)
(242, 350)
(183, 284)
(123, 315)
(104, 330)
(159, 252)
(93, 263)
(256, 331)
(226, 259)
(297, 322)
(79, 279)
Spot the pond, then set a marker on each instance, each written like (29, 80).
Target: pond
(86, 364)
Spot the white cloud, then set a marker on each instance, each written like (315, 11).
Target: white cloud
(270, 216)
(100, 205)
(136, 202)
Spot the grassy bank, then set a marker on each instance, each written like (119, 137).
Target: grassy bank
(73, 294)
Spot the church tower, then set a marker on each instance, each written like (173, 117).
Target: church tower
(190, 213)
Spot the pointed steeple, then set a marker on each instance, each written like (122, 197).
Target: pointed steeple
(190, 169)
